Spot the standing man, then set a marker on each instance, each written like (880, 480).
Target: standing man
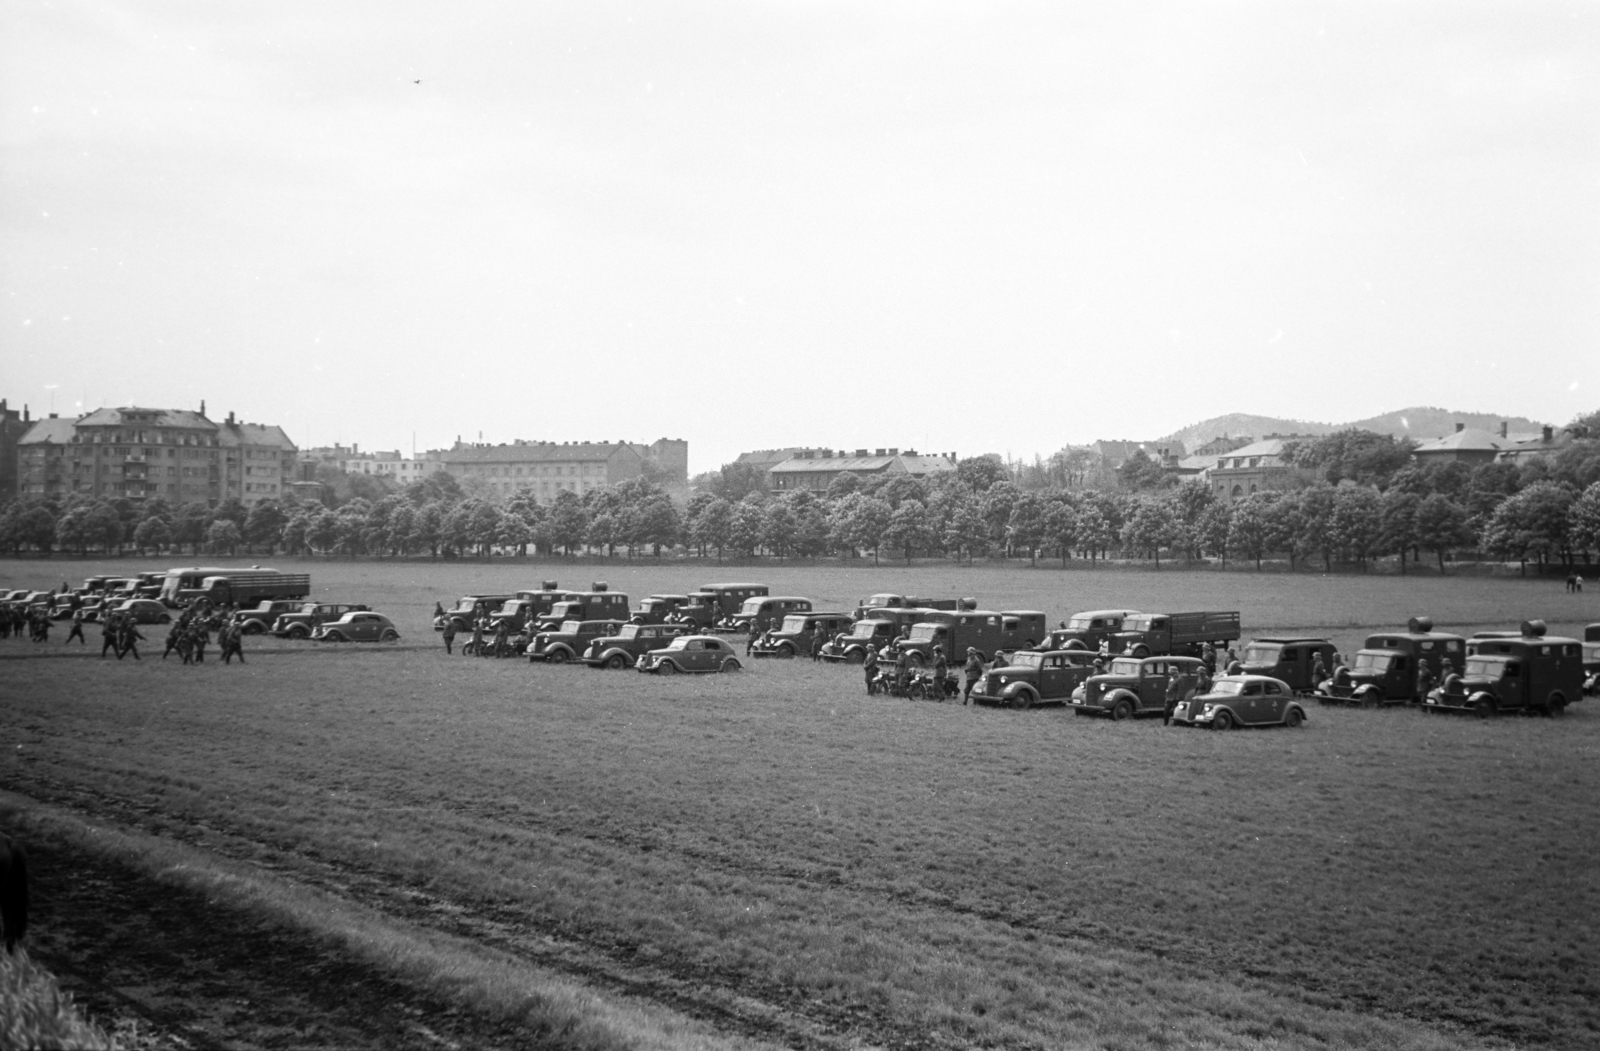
(1319, 671)
(129, 639)
(449, 635)
(477, 637)
(902, 671)
(77, 628)
(816, 646)
(1424, 682)
(232, 640)
(1208, 656)
(869, 668)
(108, 635)
(972, 673)
(941, 672)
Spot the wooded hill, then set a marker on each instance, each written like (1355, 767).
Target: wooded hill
(1420, 423)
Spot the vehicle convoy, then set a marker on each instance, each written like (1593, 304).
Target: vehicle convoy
(1385, 669)
(1138, 686)
(1289, 658)
(890, 600)
(1591, 660)
(690, 653)
(232, 587)
(469, 610)
(983, 630)
(1085, 631)
(766, 611)
(657, 608)
(301, 622)
(794, 636)
(1175, 634)
(1035, 677)
(570, 640)
(714, 604)
(1527, 672)
(358, 626)
(879, 629)
(1242, 700)
(624, 649)
(599, 604)
(259, 619)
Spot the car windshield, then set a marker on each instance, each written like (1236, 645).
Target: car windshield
(1484, 667)
(1027, 659)
(1257, 654)
(866, 629)
(1591, 651)
(571, 627)
(794, 625)
(880, 601)
(630, 631)
(1373, 662)
(1124, 667)
(1229, 688)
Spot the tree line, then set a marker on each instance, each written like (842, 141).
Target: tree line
(1356, 497)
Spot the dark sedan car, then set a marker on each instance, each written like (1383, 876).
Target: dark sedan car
(358, 627)
(1242, 700)
(691, 653)
(144, 611)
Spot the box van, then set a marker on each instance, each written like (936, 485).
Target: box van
(715, 604)
(760, 613)
(983, 630)
(794, 636)
(1385, 669)
(1289, 659)
(1532, 672)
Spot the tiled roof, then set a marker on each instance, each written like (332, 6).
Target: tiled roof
(1469, 439)
(48, 432)
(926, 464)
(254, 434)
(535, 452)
(133, 416)
(834, 463)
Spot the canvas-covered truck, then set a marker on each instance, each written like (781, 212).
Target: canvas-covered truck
(1385, 669)
(1084, 631)
(1532, 672)
(891, 600)
(599, 604)
(232, 587)
(1175, 634)
(794, 636)
(881, 627)
(983, 630)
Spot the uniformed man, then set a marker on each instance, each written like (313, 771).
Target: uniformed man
(232, 640)
(941, 672)
(750, 642)
(174, 634)
(1208, 656)
(1319, 671)
(902, 671)
(502, 636)
(1425, 681)
(869, 668)
(1174, 695)
(816, 646)
(1234, 667)
(449, 635)
(77, 629)
(477, 637)
(199, 638)
(973, 671)
(108, 634)
(129, 639)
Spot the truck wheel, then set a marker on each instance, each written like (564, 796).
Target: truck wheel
(556, 657)
(855, 657)
(299, 632)
(915, 659)
(1140, 651)
(786, 651)
(1023, 699)
(666, 668)
(1122, 710)
(1223, 721)
(1370, 698)
(1075, 644)
(617, 662)
(1485, 708)
(1557, 705)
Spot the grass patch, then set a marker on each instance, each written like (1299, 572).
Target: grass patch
(36, 1012)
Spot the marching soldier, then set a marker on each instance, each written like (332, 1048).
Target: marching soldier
(232, 641)
(77, 629)
(199, 639)
(108, 635)
(175, 639)
(128, 639)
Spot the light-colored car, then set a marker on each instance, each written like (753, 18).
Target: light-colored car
(359, 626)
(1242, 700)
(691, 653)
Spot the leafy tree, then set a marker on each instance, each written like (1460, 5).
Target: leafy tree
(1061, 525)
(296, 531)
(567, 522)
(810, 523)
(1583, 520)
(1357, 525)
(34, 526)
(1025, 526)
(224, 536)
(658, 522)
(73, 531)
(264, 524)
(980, 473)
(1398, 517)
(712, 525)
(1250, 530)
(843, 484)
(739, 480)
(1139, 473)
(1316, 522)
(323, 531)
(485, 527)
(1441, 526)
(896, 489)
(859, 521)
(908, 528)
(1095, 531)
(778, 527)
(996, 506)
(152, 533)
(427, 527)
(749, 518)
(1364, 457)
(1534, 521)
(191, 525)
(233, 510)
(1150, 528)
(1213, 530)
(402, 525)
(965, 529)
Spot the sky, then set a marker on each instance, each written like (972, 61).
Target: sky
(993, 227)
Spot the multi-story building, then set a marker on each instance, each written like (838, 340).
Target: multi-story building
(1251, 468)
(135, 453)
(546, 468)
(13, 425)
(816, 469)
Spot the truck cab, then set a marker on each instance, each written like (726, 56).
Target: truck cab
(1084, 631)
(762, 612)
(1035, 677)
(1177, 634)
(891, 600)
(983, 630)
(570, 640)
(599, 604)
(1591, 660)
(879, 628)
(657, 608)
(794, 636)
(714, 605)
(1531, 672)
(633, 641)
(1385, 669)
(469, 610)
(1289, 658)
(259, 619)
(1138, 686)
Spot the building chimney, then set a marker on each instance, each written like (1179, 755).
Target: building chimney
(1504, 426)
(202, 406)
(1549, 434)
(1547, 430)
(230, 418)
(1460, 427)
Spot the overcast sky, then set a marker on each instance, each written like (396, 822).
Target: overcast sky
(987, 227)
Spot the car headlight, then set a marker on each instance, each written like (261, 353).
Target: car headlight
(1208, 709)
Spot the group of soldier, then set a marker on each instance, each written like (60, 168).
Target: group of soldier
(15, 617)
(190, 635)
(489, 638)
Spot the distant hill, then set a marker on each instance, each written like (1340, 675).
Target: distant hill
(1418, 422)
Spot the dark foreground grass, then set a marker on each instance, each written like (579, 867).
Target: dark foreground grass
(35, 1012)
(894, 871)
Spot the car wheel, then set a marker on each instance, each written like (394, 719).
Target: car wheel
(389, 635)
(1140, 652)
(855, 657)
(1557, 705)
(785, 651)
(731, 664)
(1023, 699)
(334, 636)
(165, 618)
(1222, 721)
(666, 668)
(1122, 710)
(617, 662)
(298, 632)
(1075, 644)
(556, 657)
(1293, 718)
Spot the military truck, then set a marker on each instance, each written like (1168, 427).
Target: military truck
(794, 636)
(983, 630)
(877, 630)
(1591, 660)
(1138, 686)
(523, 611)
(565, 642)
(713, 606)
(230, 587)
(658, 608)
(1531, 672)
(891, 600)
(622, 650)
(1289, 658)
(1085, 631)
(1175, 634)
(1385, 669)
(469, 609)
(766, 611)
(1033, 677)
(600, 604)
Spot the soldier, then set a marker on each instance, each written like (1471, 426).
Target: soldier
(902, 671)
(1234, 667)
(477, 637)
(438, 610)
(128, 639)
(816, 646)
(174, 637)
(1208, 656)
(108, 635)
(77, 629)
(999, 658)
(1424, 681)
(449, 635)
(1230, 660)
(502, 636)
(941, 672)
(869, 667)
(750, 642)
(199, 639)
(232, 640)
(1174, 695)
(1319, 671)
(973, 671)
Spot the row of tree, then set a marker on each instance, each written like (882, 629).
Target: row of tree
(976, 511)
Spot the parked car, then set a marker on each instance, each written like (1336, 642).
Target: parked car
(469, 609)
(767, 611)
(145, 610)
(624, 649)
(571, 639)
(794, 636)
(1242, 700)
(690, 653)
(1035, 677)
(1591, 660)
(260, 619)
(1135, 686)
(358, 626)
(301, 622)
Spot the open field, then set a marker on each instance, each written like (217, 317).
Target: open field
(773, 857)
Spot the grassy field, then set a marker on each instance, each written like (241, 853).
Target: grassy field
(778, 853)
